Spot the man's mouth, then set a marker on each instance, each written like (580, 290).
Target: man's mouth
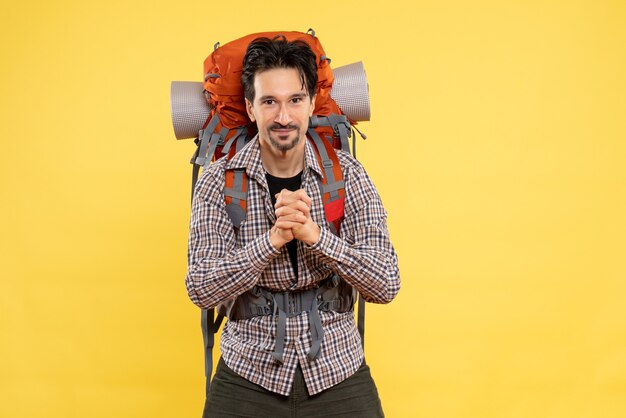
(283, 129)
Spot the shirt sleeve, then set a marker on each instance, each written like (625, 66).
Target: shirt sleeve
(217, 269)
(363, 255)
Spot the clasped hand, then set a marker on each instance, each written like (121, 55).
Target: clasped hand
(293, 219)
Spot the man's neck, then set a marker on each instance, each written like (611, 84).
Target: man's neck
(282, 164)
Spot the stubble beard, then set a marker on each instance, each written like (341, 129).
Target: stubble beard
(283, 147)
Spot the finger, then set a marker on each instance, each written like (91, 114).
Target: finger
(299, 206)
(293, 217)
(287, 213)
(285, 224)
(283, 193)
(301, 194)
(281, 196)
(286, 201)
(286, 197)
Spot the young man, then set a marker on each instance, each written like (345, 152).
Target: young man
(295, 358)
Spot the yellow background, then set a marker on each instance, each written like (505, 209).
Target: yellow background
(497, 142)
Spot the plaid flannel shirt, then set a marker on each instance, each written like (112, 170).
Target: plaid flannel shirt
(223, 264)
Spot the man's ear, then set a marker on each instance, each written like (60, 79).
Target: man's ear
(249, 110)
(313, 104)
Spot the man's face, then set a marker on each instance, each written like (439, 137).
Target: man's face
(281, 108)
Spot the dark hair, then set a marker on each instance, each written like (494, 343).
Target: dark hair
(267, 54)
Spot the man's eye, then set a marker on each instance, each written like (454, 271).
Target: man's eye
(268, 102)
(296, 100)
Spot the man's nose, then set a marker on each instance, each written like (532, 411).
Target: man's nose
(283, 117)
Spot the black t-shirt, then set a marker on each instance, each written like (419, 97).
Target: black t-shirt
(276, 184)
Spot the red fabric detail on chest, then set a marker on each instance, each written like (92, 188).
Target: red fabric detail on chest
(334, 209)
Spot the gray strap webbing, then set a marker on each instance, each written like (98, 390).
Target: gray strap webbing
(333, 229)
(195, 170)
(227, 145)
(361, 320)
(333, 187)
(209, 342)
(317, 332)
(239, 139)
(340, 125)
(207, 140)
(343, 135)
(327, 165)
(315, 324)
(281, 326)
(209, 325)
(235, 194)
(201, 155)
(215, 140)
(234, 210)
(223, 132)
(238, 184)
(242, 137)
(330, 120)
(236, 191)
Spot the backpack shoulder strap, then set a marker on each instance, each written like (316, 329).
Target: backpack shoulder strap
(332, 184)
(235, 192)
(333, 196)
(236, 183)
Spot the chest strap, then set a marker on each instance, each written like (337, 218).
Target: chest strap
(333, 294)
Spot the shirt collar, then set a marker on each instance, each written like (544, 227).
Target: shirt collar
(249, 157)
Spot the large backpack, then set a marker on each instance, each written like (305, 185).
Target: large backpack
(227, 129)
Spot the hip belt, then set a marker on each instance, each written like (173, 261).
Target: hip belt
(332, 294)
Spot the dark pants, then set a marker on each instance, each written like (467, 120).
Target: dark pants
(233, 396)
